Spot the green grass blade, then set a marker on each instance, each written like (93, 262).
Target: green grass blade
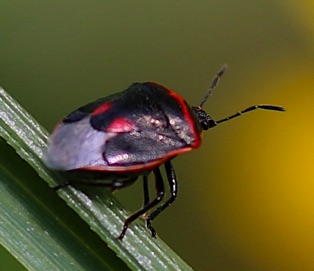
(32, 231)
(49, 248)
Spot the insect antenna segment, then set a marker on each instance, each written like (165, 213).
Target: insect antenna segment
(213, 84)
(251, 108)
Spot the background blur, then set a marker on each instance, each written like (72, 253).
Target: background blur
(246, 199)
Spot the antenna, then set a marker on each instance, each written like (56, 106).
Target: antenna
(251, 108)
(213, 84)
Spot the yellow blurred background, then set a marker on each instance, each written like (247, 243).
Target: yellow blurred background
(246, 197)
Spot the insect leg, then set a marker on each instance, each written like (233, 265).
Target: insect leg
(62, 185)
(146, 201)
(172, 180)
(160, 189)
(116, 184)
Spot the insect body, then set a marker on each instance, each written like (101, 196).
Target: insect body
(129, 134)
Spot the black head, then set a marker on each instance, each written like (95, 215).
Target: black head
(204, 119)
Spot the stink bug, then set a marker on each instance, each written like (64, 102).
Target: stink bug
(129, 134)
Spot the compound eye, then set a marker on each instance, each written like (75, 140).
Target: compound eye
(205, 125)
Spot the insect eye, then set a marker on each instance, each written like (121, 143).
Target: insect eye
(205, 125)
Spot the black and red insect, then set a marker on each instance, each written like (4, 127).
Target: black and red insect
(132, 133)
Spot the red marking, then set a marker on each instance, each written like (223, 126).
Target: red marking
(120, 125)
(101, 109)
